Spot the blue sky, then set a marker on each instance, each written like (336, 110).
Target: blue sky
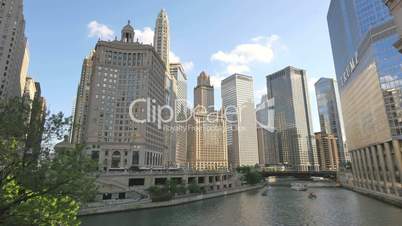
(255, 37)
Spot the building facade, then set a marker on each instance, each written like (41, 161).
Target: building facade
(396, 9)
(369, 77)
(207, 133)
(181, 107)
(14, 57)
(330, 114)
(80, 120)
(204, 93)
(207, 141)
(289, 91)
(238, 103)
(126, 82)
(267, 151)
(327, 151)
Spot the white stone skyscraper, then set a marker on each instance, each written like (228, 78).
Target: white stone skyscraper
(121, 83)
(162, 37)
(238, 102)
(12, 49)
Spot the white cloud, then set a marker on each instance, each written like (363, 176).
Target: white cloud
(188, 66)
(216, 80)
(259, 50)
(145, 36)
(237, 68)
(100, 31)
(173, 58)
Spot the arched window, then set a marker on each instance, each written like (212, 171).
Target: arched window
(116, 158)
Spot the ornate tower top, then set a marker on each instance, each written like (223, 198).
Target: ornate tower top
(127, 33)
(203, 79)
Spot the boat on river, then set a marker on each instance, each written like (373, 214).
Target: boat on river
(298, 186)
(312, 196)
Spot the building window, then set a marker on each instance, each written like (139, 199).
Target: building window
(136, 158)
(116, 158)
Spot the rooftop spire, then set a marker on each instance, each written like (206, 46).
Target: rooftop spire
(127, 33)
(162, 37)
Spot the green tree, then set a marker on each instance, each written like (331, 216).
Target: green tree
(253, 177)
(194, 188)
(159, 194)
(35, 188)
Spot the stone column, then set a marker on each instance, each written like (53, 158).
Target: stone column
(359, 173)
(383, 169)
(391, 167)
(398, 157)
(361, 169)
(376, 169)
(366, 169)
(370, 166)
(355, 167)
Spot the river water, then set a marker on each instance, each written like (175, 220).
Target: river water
(282, 206)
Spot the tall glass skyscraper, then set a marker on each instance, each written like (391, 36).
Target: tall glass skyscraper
(330, 113)
(369, 73)
(363, 32)
(292, 120)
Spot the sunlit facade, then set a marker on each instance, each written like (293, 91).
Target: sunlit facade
(207, 141)
(327, 151)
(370, 84)
(238, 101)
(14, 57)
(124, 71)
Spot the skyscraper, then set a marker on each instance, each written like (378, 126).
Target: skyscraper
(369, 76)
(126, 82)
(162, 47)
(207, 146)
(12, 49)
(330, 114)
(267, 142)
(238, 103)
(162, 38)
(327, 151)
(177, 71)
(207, 133)
(396, 9)
(82, 101)
(204, 93)
(292, 123)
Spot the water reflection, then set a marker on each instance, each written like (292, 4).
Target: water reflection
(282, 206)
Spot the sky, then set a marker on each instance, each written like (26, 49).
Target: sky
(253, 37)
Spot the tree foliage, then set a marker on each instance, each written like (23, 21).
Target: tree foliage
(194, 188)
(251, 175)
(38, 187)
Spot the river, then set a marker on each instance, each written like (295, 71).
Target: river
(282, 206)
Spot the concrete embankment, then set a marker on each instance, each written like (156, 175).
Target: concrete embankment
(390, 199)
(135, 205)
